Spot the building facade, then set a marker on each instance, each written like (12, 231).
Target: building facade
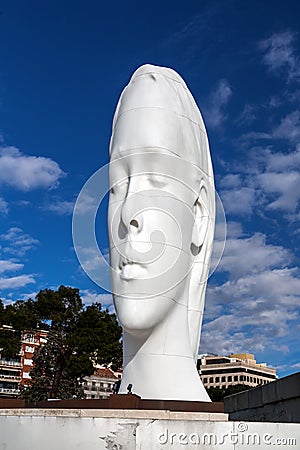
(224, 371)
(10, 372)
(10, 376)
(14, 372)
(31, 340)
(100, 384)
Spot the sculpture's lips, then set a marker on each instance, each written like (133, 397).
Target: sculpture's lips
(130, 269)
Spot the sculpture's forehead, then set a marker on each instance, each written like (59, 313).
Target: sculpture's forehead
(158, 111)
(162, 88)
(174, 172)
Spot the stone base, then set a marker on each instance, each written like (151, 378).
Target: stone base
(70, 429)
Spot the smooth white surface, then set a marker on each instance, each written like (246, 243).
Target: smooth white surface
(161, 225)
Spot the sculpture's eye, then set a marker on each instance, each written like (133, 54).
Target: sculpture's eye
(120, 187)
(157, 181)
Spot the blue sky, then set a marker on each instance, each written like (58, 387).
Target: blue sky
(63, 66)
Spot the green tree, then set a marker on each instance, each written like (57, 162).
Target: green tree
(78, 337)
(19, 316)
(217, 394)
(50, 376)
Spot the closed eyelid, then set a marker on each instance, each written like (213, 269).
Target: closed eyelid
(157, 180)
(119, 185)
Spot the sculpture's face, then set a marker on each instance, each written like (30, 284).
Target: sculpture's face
(150, 220)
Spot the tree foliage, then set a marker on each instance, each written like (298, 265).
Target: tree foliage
(217, 394)
(78, 338)
(19, 316)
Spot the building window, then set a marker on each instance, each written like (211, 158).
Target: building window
(204, 380)
(217, 379)
(229, 378)
(223, 379)
(27, 362)
(29, 349)
(29, 337)
(236, 378)
(93, 385)
(211, 380)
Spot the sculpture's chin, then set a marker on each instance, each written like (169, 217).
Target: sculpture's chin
(139, 315)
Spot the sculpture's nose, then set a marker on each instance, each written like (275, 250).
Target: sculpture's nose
(131, 216)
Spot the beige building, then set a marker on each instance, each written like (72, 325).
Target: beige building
(239, 368)
(100, 384)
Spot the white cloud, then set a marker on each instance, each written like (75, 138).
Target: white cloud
(234, 230)
(286, 184)
(215, 112)
(252, 255)
(295, 366)
(106, 300)
(9, 265)
(3, 206)
(26, 296)
(259, 302)
(269, 179)
(231, 181)
(279, 54)
(16, 282)
(28, 172)
(289, 127)
(238, 201)
(17, 242)
(87, 202)
(282, 162)
(89, 297)
(60, 207)
(248, 115)
(95, 263)
(255, 135)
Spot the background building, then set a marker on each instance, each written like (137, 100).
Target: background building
(31, 340)
(100, 384)
(224, 371)
(15, 371)
(10, 373)
(10, 376)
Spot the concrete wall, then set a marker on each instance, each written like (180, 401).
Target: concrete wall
(25, 429)
(278, 401)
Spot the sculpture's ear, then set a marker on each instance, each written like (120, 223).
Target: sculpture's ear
(201, 220)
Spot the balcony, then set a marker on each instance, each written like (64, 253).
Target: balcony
(10, 377)
(9, 391)
(4, 362)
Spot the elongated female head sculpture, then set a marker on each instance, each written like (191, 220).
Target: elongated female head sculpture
(161, 225)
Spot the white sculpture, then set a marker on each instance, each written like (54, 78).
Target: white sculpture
(161, 226)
